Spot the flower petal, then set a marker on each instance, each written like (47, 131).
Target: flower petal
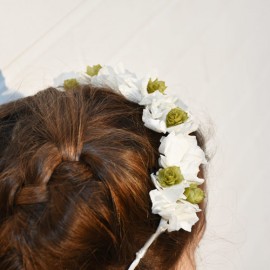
(183, 218)
(154, 124)
(120, 80)
(182, 150)
(180, 215)
(59, 80)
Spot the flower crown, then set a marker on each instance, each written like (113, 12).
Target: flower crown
(176, 195)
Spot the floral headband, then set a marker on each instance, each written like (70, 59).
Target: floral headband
(176, 195)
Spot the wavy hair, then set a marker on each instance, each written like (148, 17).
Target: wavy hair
(74, 184)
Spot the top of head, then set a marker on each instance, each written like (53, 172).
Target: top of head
(75, 181)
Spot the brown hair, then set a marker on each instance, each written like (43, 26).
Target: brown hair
(74, 184)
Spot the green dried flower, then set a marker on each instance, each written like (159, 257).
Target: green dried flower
(155, 85)
(194, 194)
(92, 71)
(170, 176)
(175, 117)
(70, 84)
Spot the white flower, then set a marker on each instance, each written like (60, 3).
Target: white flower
(59, 80)
(84, 78)
(121, 80)
(156, 97)
(182, 150)
(169, 203)
(190, 125)
(81, 77)
(158, 105)
(157, 125)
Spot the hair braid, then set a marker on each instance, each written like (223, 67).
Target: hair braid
(74, 184)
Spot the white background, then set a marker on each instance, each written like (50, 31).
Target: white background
(215, 54)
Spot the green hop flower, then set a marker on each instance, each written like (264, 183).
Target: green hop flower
(155, 85)
(70, 84)
(170, 176)
(175, 117)
(194, 194)
(92, 71)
